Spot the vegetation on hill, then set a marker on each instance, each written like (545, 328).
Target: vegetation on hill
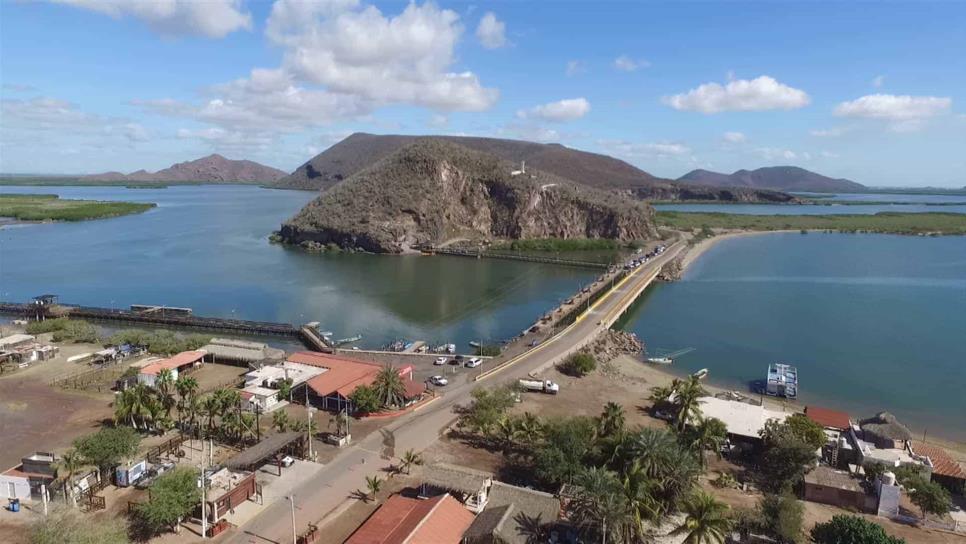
(34, 207)
(781, 178)
(883, 222)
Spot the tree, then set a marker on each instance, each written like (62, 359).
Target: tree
(531, 429)
(173, 496)
(211, 407)
(70, 463)
(569, 446)
(108, 447)
(373, 486)
(706, 434)
(611, 420)
(409, 459)
(849, 529)
(807, 430)
(164, 385)
(365, 400)
(132, 405)
(389, 387)
(705, 520)
(488, 406)
(285, 389)
(599, 508)
(280, 420)
(789, 449)
(187, 388)
(687, 393)
(579, 364)
(65, 526)
(930, 497)
(782, 517)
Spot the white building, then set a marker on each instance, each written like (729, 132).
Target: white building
(742, 419)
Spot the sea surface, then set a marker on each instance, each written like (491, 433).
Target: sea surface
(873, 322)
(879, 202)
(206, 247)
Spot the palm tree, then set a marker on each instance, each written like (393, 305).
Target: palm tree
(165, 385)
(530, 428)
(187, 388)
(688, 392)
(341, 422)
(192, 409)
(611, 421)
(409, 459)
(285, 389)
(706, 520)
(599, 506)
(373, 485)
(506, 432)
(707, 434)
(132, 404)
(280, 420)
(652, 450)
(389, 387)
(211, 406)
(640, 495)
(70, 463)
(154, 409)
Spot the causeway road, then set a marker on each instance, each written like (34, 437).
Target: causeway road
(327, 491)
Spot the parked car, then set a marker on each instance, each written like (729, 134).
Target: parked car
(438, 380)
(473, 363)
(440, 361)
(287, 461)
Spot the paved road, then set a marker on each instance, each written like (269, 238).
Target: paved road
(329, 488)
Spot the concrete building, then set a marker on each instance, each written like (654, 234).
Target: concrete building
(943, 469)
(837, 451)
(261, 385)
(838, 488)
(744, 421)
(26, 480)
(331, 389)
(227, 489)
(404, 520)
(177, 364)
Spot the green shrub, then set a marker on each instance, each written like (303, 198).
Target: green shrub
(579, 364)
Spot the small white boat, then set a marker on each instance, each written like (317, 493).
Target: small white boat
(474, 344)
(701, 374)
(660, 360)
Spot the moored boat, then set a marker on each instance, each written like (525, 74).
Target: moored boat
(660, 360)
(701, 374)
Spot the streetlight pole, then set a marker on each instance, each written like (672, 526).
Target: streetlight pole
(291, 499)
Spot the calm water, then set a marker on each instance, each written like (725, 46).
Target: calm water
(206, 247)
(826, 209)
(891, 197)
(873, 322)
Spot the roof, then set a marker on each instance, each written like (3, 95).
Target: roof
(942, 463)
(345, 375)
(885, 425)
(263, 450)
(828, 418)
(18, 472)
(15, 339)
(829, 477)
(403, 520)
(513, 514)
(457, 478)
(741, 419)
(182, 359)
(241, 350)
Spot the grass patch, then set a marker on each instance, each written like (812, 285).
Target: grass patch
(883, 222)
(38, 207)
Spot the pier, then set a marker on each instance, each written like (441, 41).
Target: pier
(478, 254)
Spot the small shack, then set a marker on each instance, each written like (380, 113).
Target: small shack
(177, 364)
(838, 488)
(514, 515)
(944, 470)
(240, 352)
(471, 487)
(227, 489)
(271, 448)
(26, 480)
(404, 520)
(885, 431)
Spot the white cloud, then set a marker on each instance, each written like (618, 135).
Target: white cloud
(894, 108)
(627, 64)
(575, 67)
(562, 110)
(735, 137)
(491, 31)
(829, 132)
(877, 81)
(210, 18)
(759, 94)
(634, 150)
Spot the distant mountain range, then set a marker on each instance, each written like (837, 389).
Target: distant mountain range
(360, 151)
(211, 169)
(779, 178)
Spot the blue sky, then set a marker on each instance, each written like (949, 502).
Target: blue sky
(874, 92)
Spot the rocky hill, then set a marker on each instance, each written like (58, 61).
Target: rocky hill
(361, 150)
(433, 190)
(211, 169)
(780, 178)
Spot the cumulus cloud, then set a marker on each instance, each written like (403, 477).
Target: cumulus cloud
(575, 67)
(759, 94)
(491, 31)
(559, 111)
(894, 108)
(209, 18)
(625, 63)
(735, 137)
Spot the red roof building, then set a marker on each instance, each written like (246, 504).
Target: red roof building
(176, 363)
(830, 419)
(333, 387)
(402, 520)
(945, 470)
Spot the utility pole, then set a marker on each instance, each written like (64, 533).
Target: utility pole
(309, 410)
(294, 536)
(204, 514)
(43, 495)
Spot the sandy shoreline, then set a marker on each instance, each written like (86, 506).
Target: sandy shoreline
(704, 245)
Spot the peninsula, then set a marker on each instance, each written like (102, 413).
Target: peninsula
(37, 207)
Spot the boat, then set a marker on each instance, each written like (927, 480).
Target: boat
(348, 340)
(451, 348)
(660, 360)
(701, 374)
(782, 381)
(474, 344)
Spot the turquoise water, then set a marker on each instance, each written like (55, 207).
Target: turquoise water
(873, 322)
(206, 247)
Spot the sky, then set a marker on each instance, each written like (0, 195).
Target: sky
(873, 92)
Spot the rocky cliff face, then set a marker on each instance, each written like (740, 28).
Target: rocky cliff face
(432, 191)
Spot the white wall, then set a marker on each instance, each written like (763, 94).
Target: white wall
(21, 487)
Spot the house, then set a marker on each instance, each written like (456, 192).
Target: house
(514, 515)
(177, 364)
(403, 520)
(331, 389)
(227, 489)
(471, 487)
(9, 343)
(838, 488)
(26, 480)
(744, 421)
(837, 451)
(944, 470)
(231, 351)
(829, 419)
(260, 399)
(260, 391)
(885, 431)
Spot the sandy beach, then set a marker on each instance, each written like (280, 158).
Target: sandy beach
(704, 245)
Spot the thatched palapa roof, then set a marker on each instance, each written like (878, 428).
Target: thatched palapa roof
(456, 478)
(885, 425)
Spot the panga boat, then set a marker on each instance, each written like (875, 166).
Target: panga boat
(701, 374)
(660, 360)
(474, 344)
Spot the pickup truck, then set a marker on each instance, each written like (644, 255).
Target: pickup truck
(543, 386)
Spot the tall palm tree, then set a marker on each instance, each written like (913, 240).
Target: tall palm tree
(373, 486)
(132, 404)
(506, 432)
(706, 520)
(409, 459)
(154, 410)
(192, 409)
(187, 388)
(70, 463)
(611, 421)
(640, 492)
(165, 385)
(651, 450)
(530, 428)
(389, 387)
(211, 406)
(689, 392)
(707, 434)
(599, 506)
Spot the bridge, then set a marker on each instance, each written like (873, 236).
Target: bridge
(478, 254)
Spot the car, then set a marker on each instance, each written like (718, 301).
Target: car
(438, 380)
(440, 361)
(287, 461)
(473, 363)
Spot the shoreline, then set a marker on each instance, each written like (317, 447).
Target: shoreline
(694, 252)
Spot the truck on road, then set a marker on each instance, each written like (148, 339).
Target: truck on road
(544, 386)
